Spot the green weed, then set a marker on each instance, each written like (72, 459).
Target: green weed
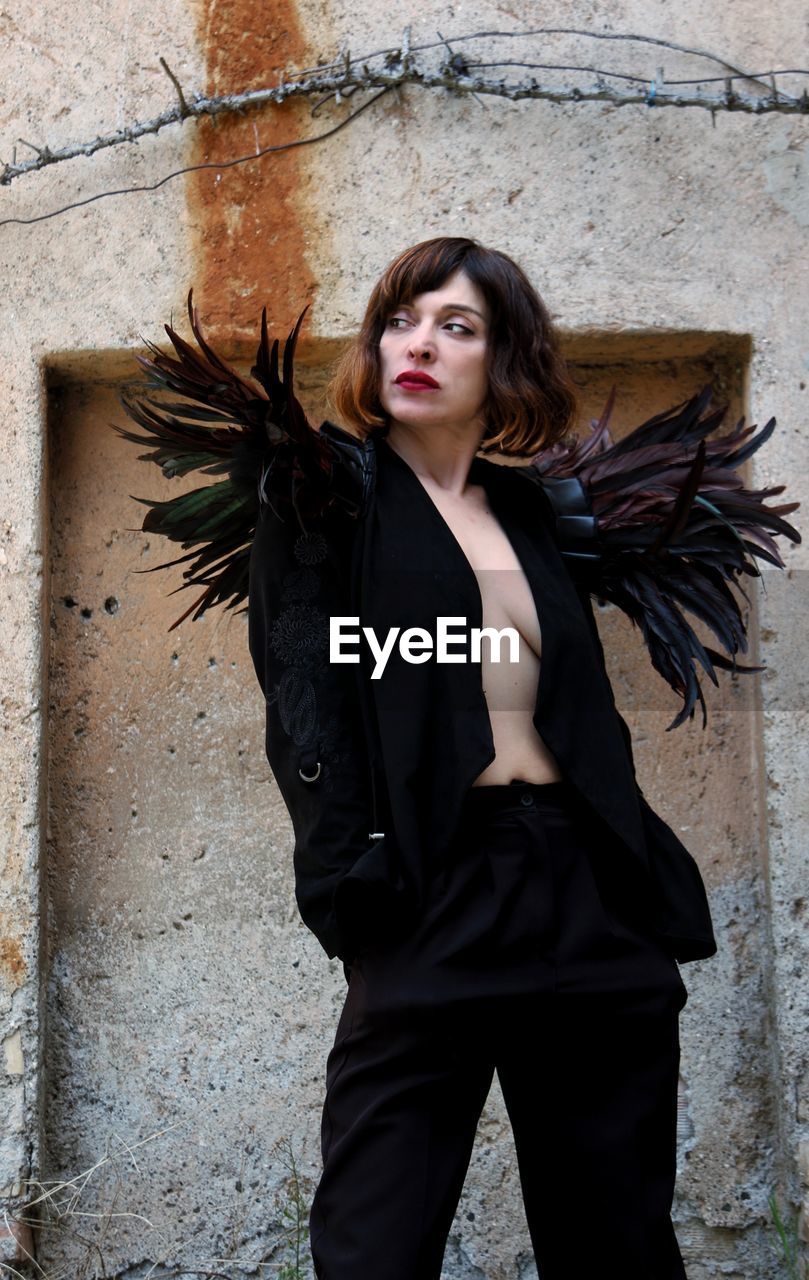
(789, 1241)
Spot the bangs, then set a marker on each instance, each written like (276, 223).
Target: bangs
(423, 269)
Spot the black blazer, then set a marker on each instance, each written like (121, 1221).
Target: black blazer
(373, 773)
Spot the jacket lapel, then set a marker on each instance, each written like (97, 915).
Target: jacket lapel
(574, 712)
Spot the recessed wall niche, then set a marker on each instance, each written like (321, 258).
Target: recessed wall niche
(180, 986)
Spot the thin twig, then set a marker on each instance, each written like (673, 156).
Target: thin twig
(184, 108)
(193, 168)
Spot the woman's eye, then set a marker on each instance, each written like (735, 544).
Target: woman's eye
(397, 321)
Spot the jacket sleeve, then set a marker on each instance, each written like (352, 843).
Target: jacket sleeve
(315, 739)
(682, 916)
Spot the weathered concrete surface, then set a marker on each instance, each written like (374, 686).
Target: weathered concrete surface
(86, 281)
(144, 982)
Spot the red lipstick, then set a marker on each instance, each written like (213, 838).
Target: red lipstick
(415, 379)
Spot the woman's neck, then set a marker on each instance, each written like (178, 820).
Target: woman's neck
(436, 454)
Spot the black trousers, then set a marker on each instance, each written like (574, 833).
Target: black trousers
(530, 960)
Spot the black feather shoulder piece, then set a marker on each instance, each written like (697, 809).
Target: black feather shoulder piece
(252, 431)
(660, 524)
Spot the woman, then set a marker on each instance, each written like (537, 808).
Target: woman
(470, 837)
(498, 921)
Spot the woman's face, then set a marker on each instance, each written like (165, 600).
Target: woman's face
(442, 334)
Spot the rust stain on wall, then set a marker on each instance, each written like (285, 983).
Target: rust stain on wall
(247, 219)
(11, 959)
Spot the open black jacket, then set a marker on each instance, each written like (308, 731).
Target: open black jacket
(373, 773)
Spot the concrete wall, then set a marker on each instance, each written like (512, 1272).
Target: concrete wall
(156, 984)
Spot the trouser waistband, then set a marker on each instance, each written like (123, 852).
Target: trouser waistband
(518, 793)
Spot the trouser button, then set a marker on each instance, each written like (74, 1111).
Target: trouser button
(527, 798)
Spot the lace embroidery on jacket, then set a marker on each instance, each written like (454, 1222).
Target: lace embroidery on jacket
(299, 637)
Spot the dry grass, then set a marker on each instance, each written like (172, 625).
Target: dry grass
(89, 1234)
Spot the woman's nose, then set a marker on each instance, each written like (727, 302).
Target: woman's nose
(420, 345)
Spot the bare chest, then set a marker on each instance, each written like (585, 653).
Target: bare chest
(505, 593)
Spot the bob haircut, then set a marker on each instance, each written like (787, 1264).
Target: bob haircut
(532, 401)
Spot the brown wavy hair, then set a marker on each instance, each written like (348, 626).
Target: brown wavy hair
(531, 402)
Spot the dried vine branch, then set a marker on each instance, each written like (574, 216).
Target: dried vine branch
(457, 74)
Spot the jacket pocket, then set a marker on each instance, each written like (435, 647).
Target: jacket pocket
(373, 901)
